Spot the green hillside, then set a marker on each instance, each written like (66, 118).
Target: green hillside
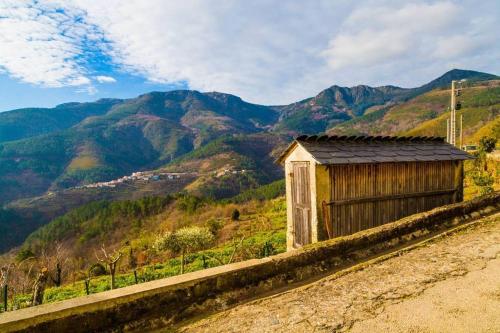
(232, 164)
(81, 143)
(333, 106)
(352, 110)
(259, 232)
(133, 226)
(426, 114)
(141, 133)
(23, 216)
(29, 122)
(228, 143)
(480, 111)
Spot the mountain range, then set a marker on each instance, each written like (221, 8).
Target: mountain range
(75, 143)
(43, 150)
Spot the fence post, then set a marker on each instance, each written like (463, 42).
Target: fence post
(135, 276)
(87, 285)
(4, 294)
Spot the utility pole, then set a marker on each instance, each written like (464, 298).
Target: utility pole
(453, 115)
(448, 130)
(462, 131)
(456, 88)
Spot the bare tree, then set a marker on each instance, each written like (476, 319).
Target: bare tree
(111, 260)
(4, 281)
(4, 273)
(39, 286)
(55, 263)
(87, 275)
(25, 278)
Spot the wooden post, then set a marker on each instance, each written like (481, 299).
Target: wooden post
(87, 285)
(459, 181)
(135, 276)
(182, 261)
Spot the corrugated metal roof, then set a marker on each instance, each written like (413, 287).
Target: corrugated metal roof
(369, 149)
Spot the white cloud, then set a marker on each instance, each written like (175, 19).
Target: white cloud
(264, 51)
(87, 89)
(411, 43)
(105, 79)
(372, 35)
(40, 44)
(278, 52)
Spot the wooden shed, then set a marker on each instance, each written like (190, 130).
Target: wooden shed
(337, 186)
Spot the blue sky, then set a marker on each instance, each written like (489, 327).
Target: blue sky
(266, 51)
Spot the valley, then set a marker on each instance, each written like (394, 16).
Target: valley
(212, 137)
(122, 172)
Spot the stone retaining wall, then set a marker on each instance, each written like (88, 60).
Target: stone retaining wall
(162, 302)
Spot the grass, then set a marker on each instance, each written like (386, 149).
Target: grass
(470, 189)
(266, 224)
(83, 162)
(474, 119)
(491, 129)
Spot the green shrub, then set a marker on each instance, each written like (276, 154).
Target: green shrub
(485, 182)
(184, 241)
(235, 215)
(487, 144)
(24, 253)
(265, 192)
(189, 203)
(214, 225)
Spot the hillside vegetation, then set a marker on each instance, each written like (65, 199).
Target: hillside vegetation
(228, 145)
(142, 133)
(426, 114)
(132, 227)
(81, 143)
(231, 187)
(125, 222)
(29, 122)
(480, 112)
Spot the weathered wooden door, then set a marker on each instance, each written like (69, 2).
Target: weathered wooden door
(301, 203)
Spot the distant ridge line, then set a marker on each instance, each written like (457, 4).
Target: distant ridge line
(367, 138)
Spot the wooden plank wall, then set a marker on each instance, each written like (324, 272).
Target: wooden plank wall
(387, 179)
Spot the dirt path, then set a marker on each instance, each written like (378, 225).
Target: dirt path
(450, 284)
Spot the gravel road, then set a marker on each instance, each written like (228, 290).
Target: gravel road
(449, 284)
